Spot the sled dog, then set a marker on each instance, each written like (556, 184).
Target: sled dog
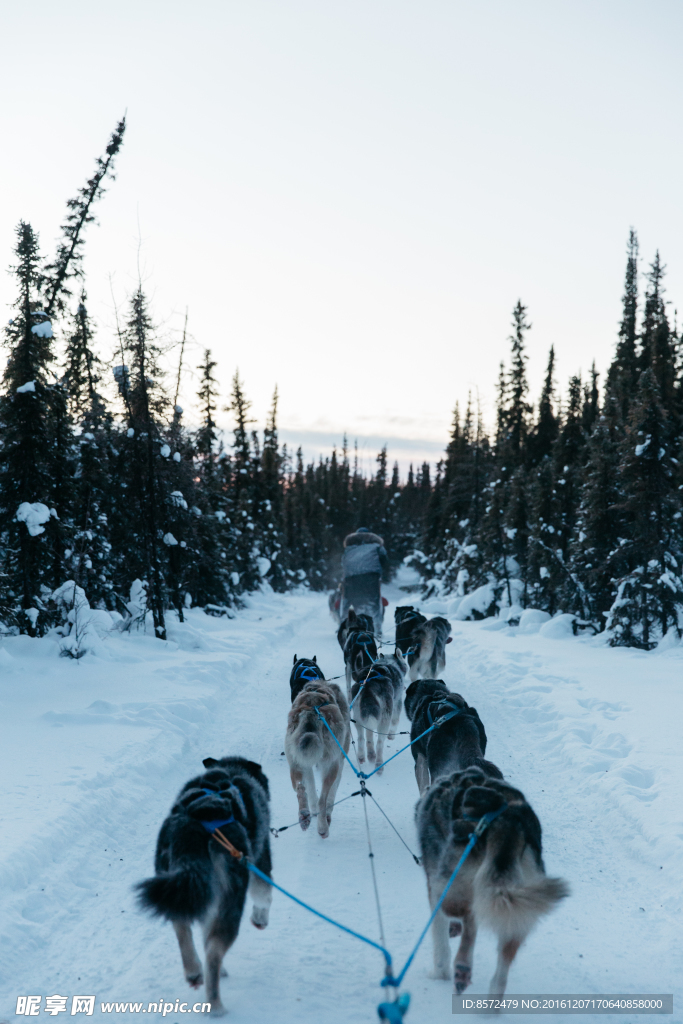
(454, 745)
(309, 743)
(406, 619)
(357, 640)
(353, 623)
(502, 884)
(305, 670)
(427, 660)
(197, 880)
(378, 707)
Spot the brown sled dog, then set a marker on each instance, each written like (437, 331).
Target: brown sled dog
(502, 884)
(309, 743)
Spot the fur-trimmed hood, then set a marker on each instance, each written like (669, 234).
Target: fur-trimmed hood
(363, 538)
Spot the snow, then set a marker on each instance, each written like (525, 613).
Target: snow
(25, 388)
(93, 752)
(164, 451)
(43, 330)
(176, 456)
(559, 627)
(531, 620)
(479, 600)
(170, 540)
(178, 499)
(34, 514)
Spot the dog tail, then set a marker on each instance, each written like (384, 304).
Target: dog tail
(427, 640)
(309, 743)
(488, 767)
(182, 895)
(511, 907)
(370, 709)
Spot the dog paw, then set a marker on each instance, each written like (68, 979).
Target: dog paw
(304, 821)
(454, 929)
(218, 1010)
(224, 973)
(440, 973)
(391, 736)
(462, 977)
(259, 917)
(324, 833)
(195, 980)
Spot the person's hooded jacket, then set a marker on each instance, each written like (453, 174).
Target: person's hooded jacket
(363, 553)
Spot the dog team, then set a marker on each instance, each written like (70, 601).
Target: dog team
(502, 884)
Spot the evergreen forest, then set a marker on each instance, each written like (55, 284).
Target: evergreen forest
(570, 504)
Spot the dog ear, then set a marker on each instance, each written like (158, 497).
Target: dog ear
(210, 762)
(449, 639)
(253, 767)
(315, 659)
(294, 661)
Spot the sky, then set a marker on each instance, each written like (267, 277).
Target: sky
(349, 197)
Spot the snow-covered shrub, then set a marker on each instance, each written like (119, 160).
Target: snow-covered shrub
(646, 606)
(80, 619)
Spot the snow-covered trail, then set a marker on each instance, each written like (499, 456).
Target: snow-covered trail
(95, 752)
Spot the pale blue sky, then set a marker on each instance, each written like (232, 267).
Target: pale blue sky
(350, 196)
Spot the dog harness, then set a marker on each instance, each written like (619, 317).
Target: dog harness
(441, 706)
(354, 638)
(215, 823)
(305, 669)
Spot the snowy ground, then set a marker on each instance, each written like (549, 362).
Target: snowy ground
(93, 752)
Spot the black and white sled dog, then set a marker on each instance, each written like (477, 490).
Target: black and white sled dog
(406, 618)
(356, 637)
(454, 745)
(427, 659)
(502, 884)
(197, 880)
(309, 743)
(378, 707)
(305, 670)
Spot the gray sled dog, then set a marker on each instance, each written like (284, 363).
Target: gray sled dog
(502, 884)
(357, 640)
(197, 880)
(427, 660)
(309, 744)
(454, 745)
(406, 619)
(378, 707)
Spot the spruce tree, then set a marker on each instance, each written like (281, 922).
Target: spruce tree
(26, 421)
(622, 377)
(649, 595)
(68, 262)
(546, 429)
(271, 502)
(142, 511)
(658, 351)
(597, 556)
(518, 409)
